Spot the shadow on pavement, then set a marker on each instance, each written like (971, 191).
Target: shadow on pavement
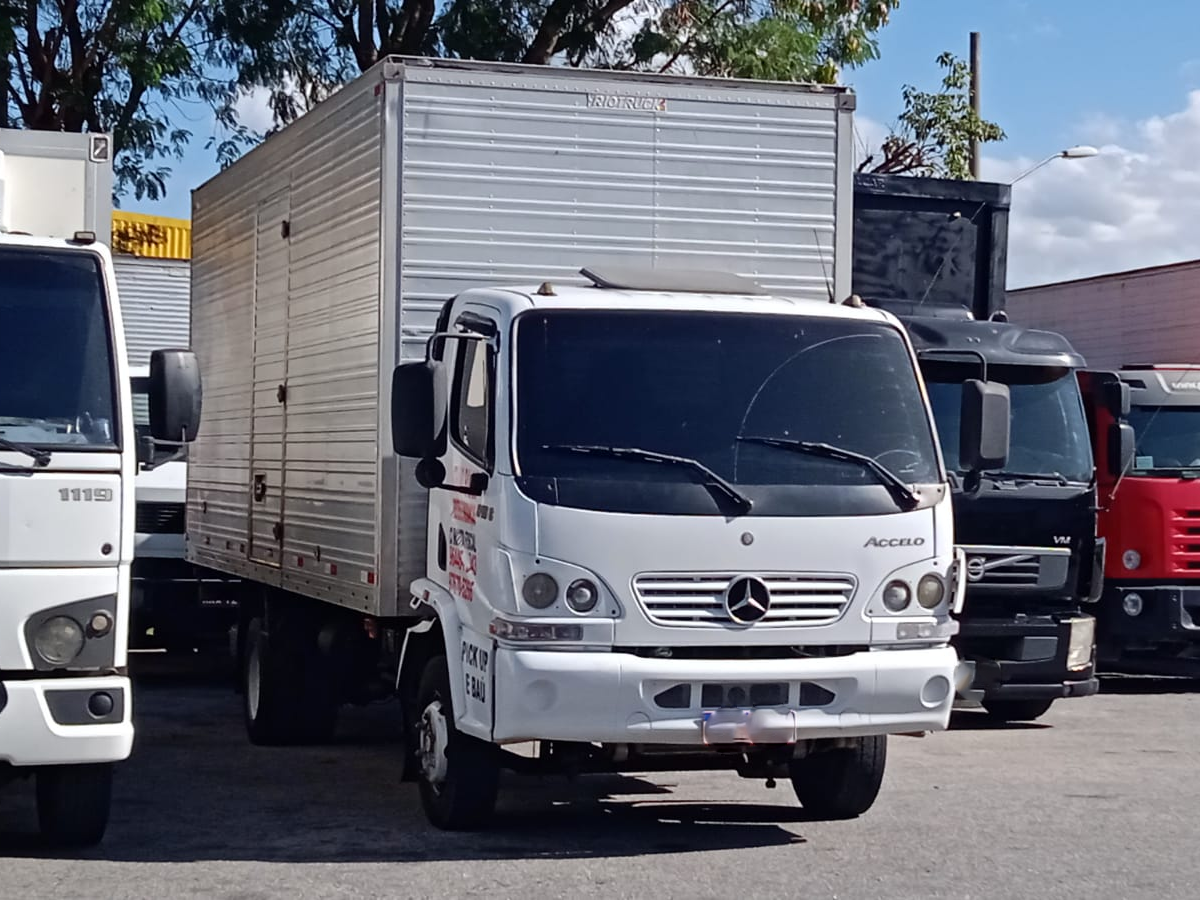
(196, 790)
(1148, 684)
(979, 720)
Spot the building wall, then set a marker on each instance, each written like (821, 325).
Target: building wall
(1143, 316)
(155, 296)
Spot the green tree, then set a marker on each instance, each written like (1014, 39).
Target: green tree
(128, 67)
(784, 40)
(301, 49)
(934, 133)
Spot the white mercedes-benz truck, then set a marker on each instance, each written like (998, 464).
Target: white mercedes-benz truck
(67, 463)
(650, 516)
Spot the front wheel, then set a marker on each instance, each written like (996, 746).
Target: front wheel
(841, 783)
(73, 803)
(1017, 710)
(459, 775)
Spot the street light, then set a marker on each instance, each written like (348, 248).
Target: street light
(1080, 152)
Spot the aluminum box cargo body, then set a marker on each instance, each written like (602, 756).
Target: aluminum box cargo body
(323, 257)
(1124, 318)
(56, 184)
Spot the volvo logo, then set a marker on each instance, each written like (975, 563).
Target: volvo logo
(978, 566)
(747, 600)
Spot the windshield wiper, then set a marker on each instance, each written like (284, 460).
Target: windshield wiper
(903, 495)
(1052, 477)
(714, 482)
(40, 458)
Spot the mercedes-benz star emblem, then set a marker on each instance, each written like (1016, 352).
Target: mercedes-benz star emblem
(747, 600)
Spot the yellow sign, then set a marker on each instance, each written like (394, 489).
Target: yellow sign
(156, 237)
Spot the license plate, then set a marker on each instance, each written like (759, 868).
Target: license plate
(727, 726)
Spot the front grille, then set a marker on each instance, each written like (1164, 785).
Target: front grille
(698, 600)
(1016, 568)
(1185, 543)
(160, 518)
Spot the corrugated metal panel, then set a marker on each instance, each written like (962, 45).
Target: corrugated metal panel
(1145, 316)
(157, 237)
(524, 177)
(287, 280)
(155, 304)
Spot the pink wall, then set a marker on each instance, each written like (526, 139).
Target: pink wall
(1146, 316)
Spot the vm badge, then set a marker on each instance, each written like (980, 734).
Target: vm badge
(747, 600)
(894, 542)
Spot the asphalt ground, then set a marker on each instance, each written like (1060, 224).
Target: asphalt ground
(1098, 800)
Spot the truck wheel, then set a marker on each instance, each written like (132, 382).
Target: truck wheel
(73, 803)
(459, 774)
(1017, 710)
(279, 707)
(841, 783)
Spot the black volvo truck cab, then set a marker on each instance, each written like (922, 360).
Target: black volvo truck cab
(932, 251)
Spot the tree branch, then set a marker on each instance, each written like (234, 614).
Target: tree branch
(687, 44)
(544, 43)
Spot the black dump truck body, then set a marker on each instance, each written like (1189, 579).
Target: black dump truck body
(933, 251)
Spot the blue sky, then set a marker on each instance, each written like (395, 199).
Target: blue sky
(1055, 73)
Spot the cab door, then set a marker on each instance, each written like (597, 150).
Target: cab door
(463, 555)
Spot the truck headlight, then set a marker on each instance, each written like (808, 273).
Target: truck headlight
(1131, 559)
(1081, 643)
(582, 595)
(897, 596)
(930, 591)
(540, 590)
(1132, 605)
(58, 640)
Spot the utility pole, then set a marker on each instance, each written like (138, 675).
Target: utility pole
(975, 100)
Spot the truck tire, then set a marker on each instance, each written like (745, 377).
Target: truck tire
(841, 783)
(285, 701)
(73, 804)
(1017, 710)
(459, 774)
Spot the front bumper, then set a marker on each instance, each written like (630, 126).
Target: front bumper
(1170, 614)
(610, 697)
(47, 721)
(1024, 658)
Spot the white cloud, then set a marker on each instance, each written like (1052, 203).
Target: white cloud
(254, 110)
(1136, 204)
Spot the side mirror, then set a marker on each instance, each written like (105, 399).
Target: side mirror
(176, 396)
(431, 473)
(983, 427)
(1120, 448)
(418, 409)
(1116, 398)
(145, 451)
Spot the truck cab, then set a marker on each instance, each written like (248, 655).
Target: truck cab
(670, 527)
(934, 252)
(1027, 527)
(67, 463)
(1146, 432)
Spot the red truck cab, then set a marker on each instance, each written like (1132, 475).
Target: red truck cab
(1149, 616)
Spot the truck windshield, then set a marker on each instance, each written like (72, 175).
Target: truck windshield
(1048, 430)
(56, 367)
(1168, 438)
(728, 391)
